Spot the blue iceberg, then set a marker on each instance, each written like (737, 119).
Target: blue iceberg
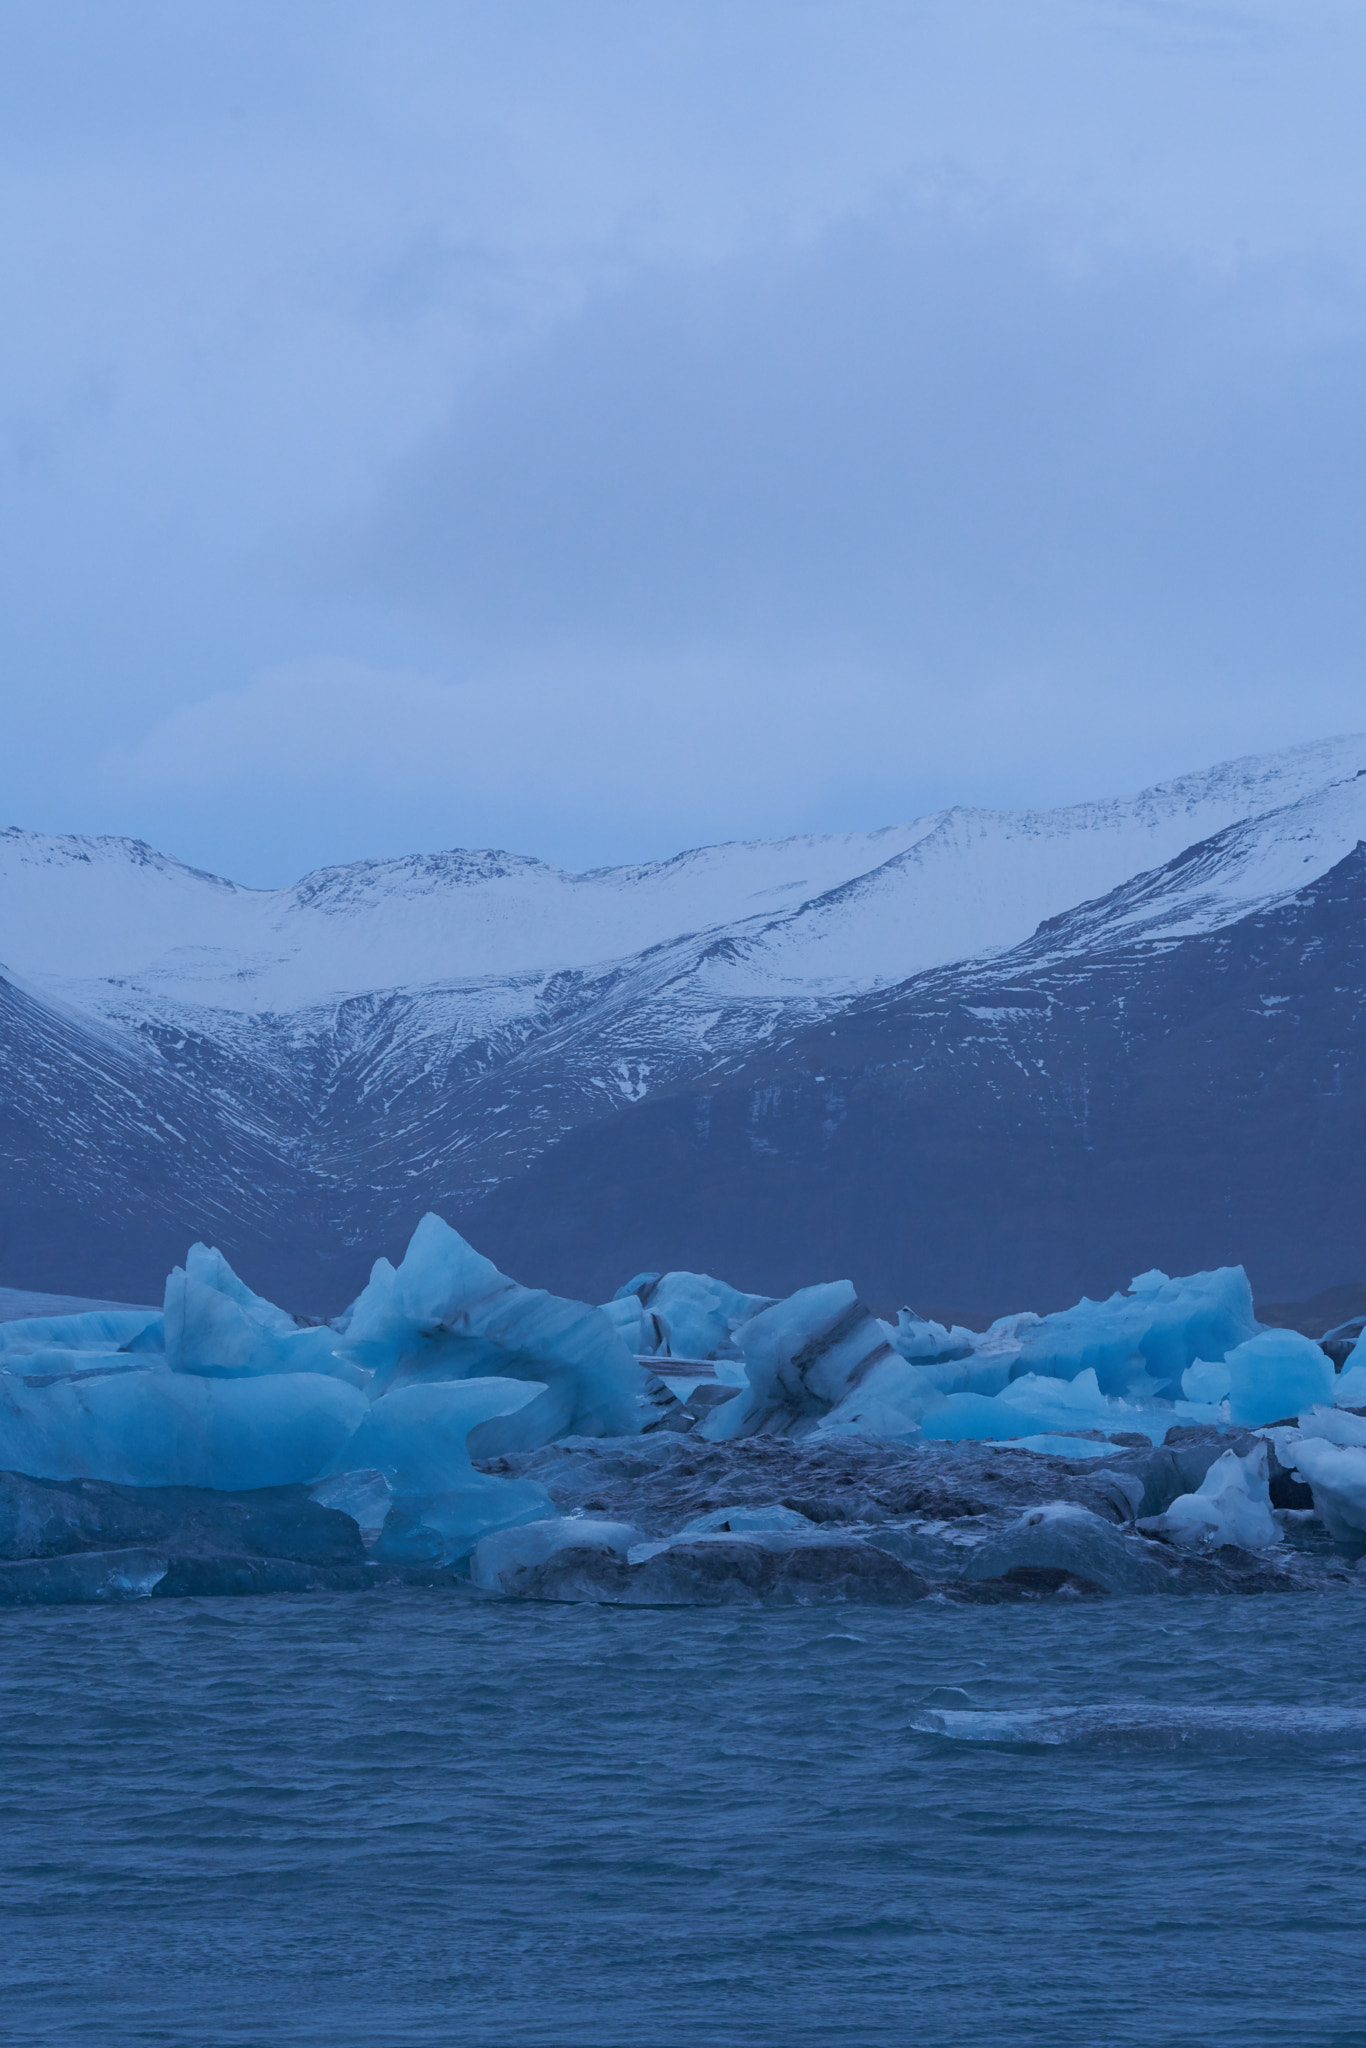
(802, 1358)
(1141, 1342)
(444, 1364)
(216, 1328)
(154, 1427)
(447, 1313)
(225, 1391)
(683, 1315)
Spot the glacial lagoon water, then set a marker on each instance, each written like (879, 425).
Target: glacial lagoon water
(420, 1819)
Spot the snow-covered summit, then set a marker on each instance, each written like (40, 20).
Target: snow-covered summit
(1154, 1000)
(97, 920)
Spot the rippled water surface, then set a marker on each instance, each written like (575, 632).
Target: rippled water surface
(423, 1819)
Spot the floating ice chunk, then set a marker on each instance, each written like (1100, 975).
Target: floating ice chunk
(216, 1328)
(1061, 1536)
(1206, 1382)
(418, 1438)
(1145, 1728)
(506, 1556)
(447, 1314)
(100, 1330)
(802, 1357)
(365, 1496)
(88, 1575)
(1276, 1374)
(1053, 1445)
(1337, 1475)
(1141, 1343)
(921, 1341)
(1350, 1391)
(442, 1528)
(1038, 1406)
(769, 1515)
(1232, 1505)
(1333, 1426)
(690, 1315)
(160, 1428)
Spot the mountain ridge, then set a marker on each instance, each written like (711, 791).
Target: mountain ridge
(332, 1118)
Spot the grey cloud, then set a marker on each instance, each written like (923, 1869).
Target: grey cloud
(987, 376)
(952, 449)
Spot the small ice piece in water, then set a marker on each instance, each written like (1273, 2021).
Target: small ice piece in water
(1277, 1374)
(770, 1516)
(1336, 1473)
(1334, 1426)
(1232, 1505)
(506, 1555)
(1351, 1386)
(946, 1696)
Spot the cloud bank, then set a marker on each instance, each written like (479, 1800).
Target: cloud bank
(595, 432)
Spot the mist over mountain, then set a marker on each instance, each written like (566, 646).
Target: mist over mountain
(982, 1060)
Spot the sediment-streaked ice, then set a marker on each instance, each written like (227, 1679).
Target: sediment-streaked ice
(444, 1364)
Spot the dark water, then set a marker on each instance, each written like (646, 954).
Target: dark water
(424, 1820)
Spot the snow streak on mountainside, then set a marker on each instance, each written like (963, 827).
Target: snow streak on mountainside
(395, 1035)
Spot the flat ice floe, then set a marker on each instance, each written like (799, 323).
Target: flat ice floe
(1139, 1726)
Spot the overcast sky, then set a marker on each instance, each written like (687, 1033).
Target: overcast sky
(597, 429)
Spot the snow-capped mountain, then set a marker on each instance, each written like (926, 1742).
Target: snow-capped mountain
(296, 1069)
(107, 922)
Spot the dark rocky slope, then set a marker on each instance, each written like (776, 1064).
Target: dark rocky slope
(1012, 1132)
